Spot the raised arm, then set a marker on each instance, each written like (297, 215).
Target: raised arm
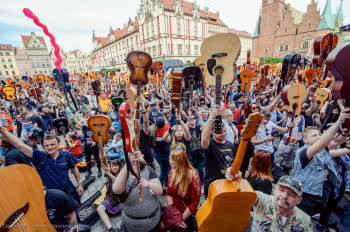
(328, 136)
(207, 129)
(17, 142)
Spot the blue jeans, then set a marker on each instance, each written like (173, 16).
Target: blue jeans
(163, 161)
(114, 155)
(26, 129)
(197, 161)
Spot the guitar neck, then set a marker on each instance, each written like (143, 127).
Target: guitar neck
(239, 157)
(102, 154)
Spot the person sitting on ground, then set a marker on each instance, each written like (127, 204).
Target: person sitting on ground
(13, 155)
(75, 146)
(115, 149)
(60, 209)
(138, 216)
(183, 189)
(111, 203)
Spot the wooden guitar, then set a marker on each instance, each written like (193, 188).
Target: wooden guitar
(322, 95)
(158, 72)
(227, 208)
(198, 62)
(99, 125)
(10, 93)
(22, 207)
(220, 50)
(192, 77)
(338, 64)
(139, 64)
(294, 96)
(263, 81)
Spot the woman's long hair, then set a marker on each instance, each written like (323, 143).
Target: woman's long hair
(182, 175)
(261, 166)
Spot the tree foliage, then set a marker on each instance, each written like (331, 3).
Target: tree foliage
(270, 60)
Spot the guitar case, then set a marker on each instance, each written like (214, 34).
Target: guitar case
(87, 212)
(88, 181)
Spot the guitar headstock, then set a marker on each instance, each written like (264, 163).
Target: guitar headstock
(251, 127)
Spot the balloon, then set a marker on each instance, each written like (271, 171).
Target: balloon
(27, 12)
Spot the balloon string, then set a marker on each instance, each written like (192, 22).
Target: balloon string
(52, 38)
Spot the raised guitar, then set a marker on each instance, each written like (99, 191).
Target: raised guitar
(192, 77)
(227, 208)
(99, 125)
(10, 93)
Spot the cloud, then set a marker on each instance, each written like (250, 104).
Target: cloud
(72, 21)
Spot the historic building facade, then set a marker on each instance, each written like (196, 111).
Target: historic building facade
(281, 29)
(246, 44)
(38, 54)
(8, 65)
(23, 63)
(166, 29)
(78, 61)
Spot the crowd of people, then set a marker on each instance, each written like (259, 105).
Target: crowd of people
(301, 185)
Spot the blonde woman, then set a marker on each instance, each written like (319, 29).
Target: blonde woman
(183, 189)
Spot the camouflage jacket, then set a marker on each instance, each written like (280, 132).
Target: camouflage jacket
(267, 218)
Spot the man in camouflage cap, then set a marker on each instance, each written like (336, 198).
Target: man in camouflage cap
(279, 212)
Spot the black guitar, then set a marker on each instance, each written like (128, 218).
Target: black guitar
(61, 126)
(290, 64)
(193, 80)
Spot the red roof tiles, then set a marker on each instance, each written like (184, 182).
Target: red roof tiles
(6, 47)
(26, 39)
(239, 33)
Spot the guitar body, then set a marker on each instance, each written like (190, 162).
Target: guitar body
(251, 67)
(246, 79)
(312, 76)
(227, 208)
(126, 115)
(322, 95)
(192, 77)
(338, 64)
(99, 125)
(139, 63)
(20, 185)
(220, 49)
(177, 87)
(294, 96)
(10, 93)
(323, 45)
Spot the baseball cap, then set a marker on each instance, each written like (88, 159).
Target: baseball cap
(291, 183)
(160, 122)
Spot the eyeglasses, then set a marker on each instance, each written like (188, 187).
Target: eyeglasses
(193, 118)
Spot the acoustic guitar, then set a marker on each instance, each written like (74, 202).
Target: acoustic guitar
(322, 95)
(192, 77)
(99, 125)
(198, 62)
(294, 96)
(220, 50)
(227, 208)
(10, 93)
(22, 207)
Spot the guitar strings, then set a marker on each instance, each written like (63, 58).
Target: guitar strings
(24, 218)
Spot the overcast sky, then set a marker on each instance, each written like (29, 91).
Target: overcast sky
(72, 21)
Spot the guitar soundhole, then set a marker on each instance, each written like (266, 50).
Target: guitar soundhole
(14, 218)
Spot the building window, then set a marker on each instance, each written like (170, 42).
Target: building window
(147, 31)
(154, 48)
(7, 53)
(9, 60)
(1, 54)
(281, 48)
(178, 25)
(286, 47)
(3, 60)
(305, 44)
(179, 49)
(11, 66)
(196, 50)
(285, 29)
(13, 72)
(7, 73)
(152, 27)
(169, 49)
(0, 73)
(5, 66)
(309, 26)
(149, 50)
(195, 29)
(265, 51)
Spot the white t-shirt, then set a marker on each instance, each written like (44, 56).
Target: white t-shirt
(262, 133)
(299, 126)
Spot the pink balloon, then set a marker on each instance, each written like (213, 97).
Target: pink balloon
(27, 12)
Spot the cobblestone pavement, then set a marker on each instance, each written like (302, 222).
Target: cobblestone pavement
(98, 185)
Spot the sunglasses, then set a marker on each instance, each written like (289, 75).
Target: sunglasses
(193, 118)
